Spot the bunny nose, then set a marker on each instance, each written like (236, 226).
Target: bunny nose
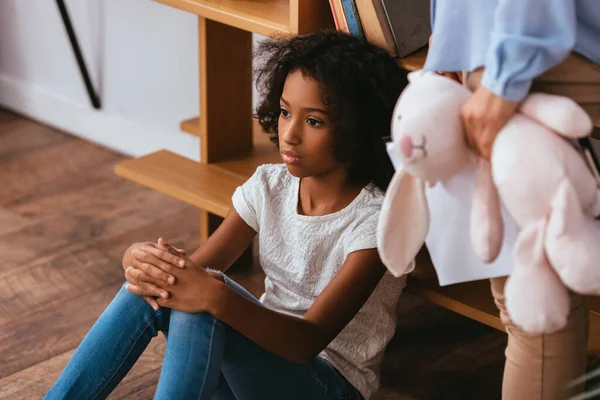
(406, 146)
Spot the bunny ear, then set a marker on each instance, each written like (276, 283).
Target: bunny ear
(487, 227)
(403, 223)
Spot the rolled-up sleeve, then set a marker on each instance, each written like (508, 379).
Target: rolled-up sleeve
(528, 38)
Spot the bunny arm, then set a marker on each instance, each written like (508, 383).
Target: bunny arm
(558, 113)
(487, 227)
(403, 223)
(536, 299)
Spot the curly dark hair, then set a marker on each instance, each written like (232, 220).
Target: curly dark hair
(360, 84)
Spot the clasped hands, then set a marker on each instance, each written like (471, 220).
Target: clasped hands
(165, 277)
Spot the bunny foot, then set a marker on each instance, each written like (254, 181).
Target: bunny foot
(536, 299)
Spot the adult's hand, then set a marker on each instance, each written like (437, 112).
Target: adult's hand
(483, 116)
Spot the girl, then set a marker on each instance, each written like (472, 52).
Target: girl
(328, 311)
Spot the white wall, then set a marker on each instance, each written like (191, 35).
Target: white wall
(143, 59)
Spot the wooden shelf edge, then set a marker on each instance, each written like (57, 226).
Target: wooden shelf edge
(414, 61)
(191, 126)
(472, 311)
(474, 299)
(258, 25)
(201, 185)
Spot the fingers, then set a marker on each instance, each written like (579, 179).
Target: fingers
(158, 271)
(166, 246)
(484, 115)
(153, 303)
(140, 280)
(137, 290)
(160, 257)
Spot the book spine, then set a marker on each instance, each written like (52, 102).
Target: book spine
(352, 18)
(335, 16)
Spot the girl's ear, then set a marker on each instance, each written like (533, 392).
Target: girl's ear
(403, 223)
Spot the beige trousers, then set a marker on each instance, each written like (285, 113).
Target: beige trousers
(539, 367)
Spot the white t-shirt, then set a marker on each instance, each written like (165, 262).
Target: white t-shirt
(301, 254)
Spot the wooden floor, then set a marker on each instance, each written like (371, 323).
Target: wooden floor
(65, 220)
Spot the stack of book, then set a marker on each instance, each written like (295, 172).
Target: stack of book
(399, 26)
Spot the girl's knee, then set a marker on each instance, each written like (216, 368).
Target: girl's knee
(196, 327)
(180, 317)
(134, 304)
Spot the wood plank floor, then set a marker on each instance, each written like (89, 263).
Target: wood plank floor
(65, 220)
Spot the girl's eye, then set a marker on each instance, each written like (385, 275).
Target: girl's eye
(284, 112)
(314, 122)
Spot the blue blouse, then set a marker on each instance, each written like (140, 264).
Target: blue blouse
(515, 40)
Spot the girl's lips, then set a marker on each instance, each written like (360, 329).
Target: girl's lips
(290, 157)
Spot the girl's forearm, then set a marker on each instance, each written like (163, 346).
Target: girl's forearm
(292, 338)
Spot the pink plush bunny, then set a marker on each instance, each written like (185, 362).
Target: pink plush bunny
(541, 179)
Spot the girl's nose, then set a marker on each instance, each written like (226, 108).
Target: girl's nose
(406, 146)
(290, 134)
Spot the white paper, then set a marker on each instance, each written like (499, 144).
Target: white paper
(449, 240)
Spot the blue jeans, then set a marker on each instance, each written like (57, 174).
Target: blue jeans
(204, 359)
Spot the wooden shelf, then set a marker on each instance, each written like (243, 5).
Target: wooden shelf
(265, 17)
(207, 186)
(191, 126)
(474, 299)
(202, 185)
(414, 61)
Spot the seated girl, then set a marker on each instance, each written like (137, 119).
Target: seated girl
(328, 311)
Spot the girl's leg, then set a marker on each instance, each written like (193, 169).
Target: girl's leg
(197, 362)
(539, 367)
(223, 391)
(253, 373)
(110, 348)
(250, 372)
(192, 363)
(192, 369)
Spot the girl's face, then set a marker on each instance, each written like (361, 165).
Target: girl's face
(305, 134)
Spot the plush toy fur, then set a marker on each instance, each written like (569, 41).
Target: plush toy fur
(538, 175)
